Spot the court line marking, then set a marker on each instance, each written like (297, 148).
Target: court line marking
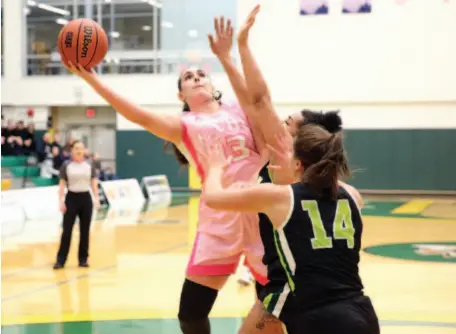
(26, 270)
(406, 323)
(414, 207)
(90, 273)
(31, 321)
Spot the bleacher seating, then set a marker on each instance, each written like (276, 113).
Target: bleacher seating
(16, 174)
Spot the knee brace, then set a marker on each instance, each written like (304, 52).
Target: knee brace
(196, 303)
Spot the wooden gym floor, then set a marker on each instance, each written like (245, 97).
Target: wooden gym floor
(138, 261)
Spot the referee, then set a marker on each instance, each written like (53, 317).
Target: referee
(78, 176)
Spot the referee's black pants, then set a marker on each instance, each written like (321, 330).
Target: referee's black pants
(77, 205)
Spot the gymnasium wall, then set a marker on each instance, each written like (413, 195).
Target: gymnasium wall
(397, 53)
(139, 153)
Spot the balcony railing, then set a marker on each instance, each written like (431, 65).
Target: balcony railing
(129, 62)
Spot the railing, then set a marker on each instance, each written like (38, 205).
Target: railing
(129, 62)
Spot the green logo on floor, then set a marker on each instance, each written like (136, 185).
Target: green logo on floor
(420, 251)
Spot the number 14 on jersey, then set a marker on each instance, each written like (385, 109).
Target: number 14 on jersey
(342, 225)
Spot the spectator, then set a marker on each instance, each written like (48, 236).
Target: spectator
(4, 129)
(12, 143)
(96, 163)
(29, 139)
(57, 161)
(66, 154)
(56, 141)
(44, 147)
(108, 175)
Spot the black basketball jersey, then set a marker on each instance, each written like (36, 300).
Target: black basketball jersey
(271, 258)
(319, 247)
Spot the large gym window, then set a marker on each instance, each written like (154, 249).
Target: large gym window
(145, 36)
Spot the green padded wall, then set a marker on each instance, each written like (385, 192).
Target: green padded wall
(403, 159)
(149, 158)
(381, 159)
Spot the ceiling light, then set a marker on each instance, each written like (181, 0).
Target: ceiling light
(167, 24)
(61, 21)
(192, 33)
(53, 9)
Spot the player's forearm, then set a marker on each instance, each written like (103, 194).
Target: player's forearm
(237, 81)
(239, 86)
(164, 126)
(129, 110)
(213, 189)
(256, 84)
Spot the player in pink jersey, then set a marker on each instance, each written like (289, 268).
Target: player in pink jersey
(222, 236)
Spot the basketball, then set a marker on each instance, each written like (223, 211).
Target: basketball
(84, 42)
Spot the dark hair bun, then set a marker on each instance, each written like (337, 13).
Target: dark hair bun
(331, 121)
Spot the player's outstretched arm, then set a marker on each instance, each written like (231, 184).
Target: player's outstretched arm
(268, 198)
(256, 84)
(166, 127)
(221, 45)
(259, 95)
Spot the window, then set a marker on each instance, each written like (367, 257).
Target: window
(145, 36)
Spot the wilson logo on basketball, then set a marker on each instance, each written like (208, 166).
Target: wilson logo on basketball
(69, 40)
(87, 40)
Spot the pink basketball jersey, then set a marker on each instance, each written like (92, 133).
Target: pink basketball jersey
(229, 129)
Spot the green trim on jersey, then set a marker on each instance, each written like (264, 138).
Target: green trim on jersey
(270, 176)
(282, 243)
(275, 301)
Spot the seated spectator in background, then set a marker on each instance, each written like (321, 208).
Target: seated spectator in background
(3, 145)
(3, 126)
(12, 142)
(51, 164)
(44, 147)
(66, 154)
(4, 129)
(56, 141)
(57, 161)
(20, 130)
(29, 139)
(107, 174)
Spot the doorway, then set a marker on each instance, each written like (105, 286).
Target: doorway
(99, 139)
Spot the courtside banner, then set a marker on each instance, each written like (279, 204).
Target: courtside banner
(157, 189)
(123, 193)
(36, 203)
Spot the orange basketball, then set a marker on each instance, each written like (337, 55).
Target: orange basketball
(84, 42)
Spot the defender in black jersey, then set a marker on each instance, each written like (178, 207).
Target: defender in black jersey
(318, 231)
(275, 295)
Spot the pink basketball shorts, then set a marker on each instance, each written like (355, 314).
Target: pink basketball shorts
(222, 238)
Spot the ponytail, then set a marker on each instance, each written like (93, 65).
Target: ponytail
(323, 158)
